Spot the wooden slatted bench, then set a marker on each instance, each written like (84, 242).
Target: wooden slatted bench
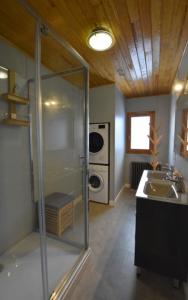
(58, 212)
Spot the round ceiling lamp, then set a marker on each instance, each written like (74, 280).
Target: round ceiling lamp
(178, 86)
(100, 39)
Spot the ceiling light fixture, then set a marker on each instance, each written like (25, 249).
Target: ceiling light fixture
(178, 86)
(100, 39)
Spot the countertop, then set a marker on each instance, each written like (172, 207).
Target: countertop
(182, 197)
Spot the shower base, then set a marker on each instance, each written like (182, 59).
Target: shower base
(21, 279)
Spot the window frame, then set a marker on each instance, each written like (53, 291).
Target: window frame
(151, 114)
(184, 132)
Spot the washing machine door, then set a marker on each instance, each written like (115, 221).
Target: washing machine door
(96, 142)
(96, 182)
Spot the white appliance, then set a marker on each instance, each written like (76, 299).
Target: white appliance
(99, 143)
(98, 183)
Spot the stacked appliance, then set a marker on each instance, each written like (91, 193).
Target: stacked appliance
(99, 156)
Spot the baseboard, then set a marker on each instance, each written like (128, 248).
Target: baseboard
(72, 280)
(113, 202)
(127, 185)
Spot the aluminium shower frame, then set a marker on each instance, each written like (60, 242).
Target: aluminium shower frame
(63, 288)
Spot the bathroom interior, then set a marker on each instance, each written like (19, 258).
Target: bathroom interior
(44, 157)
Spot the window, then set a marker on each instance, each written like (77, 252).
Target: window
(138, 129)
(184, 147)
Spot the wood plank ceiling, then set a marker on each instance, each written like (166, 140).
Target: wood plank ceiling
(150, 37)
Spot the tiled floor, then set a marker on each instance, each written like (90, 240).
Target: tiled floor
(110, 273)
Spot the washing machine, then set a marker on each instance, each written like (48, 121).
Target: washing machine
(99, 183)
(99, 143)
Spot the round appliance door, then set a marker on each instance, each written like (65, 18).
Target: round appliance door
(96, 182)
(96, 142)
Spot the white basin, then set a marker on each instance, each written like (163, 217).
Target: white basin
(160, 189)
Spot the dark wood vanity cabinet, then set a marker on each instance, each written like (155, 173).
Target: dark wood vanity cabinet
(161, 239)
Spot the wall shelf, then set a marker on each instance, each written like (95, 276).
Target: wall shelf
(13, 100)
(16, 99)
(16, 122)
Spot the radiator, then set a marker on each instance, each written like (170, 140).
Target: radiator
(137, 169)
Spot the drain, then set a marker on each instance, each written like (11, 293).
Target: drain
(1, 267)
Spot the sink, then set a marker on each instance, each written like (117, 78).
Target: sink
(160, 189)
(157, 174)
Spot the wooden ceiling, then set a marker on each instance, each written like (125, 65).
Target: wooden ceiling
(150, 37)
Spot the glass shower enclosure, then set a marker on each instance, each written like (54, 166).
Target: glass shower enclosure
(48, 157)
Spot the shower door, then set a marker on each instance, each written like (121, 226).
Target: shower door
(43, 157)
(64, 136)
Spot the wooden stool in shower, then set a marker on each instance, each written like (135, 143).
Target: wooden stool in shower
(58, 212)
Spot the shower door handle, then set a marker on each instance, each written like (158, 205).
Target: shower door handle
(82, 157)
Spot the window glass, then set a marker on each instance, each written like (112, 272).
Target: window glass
(140, 129)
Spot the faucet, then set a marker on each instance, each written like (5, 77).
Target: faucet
(179, 183)
(169, 169)
(175, 177)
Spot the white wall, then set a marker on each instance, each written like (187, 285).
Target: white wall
(120, 140)
(161, 106)
(107, 104)
(101, 109)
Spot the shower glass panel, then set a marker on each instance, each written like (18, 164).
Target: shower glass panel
(62, 89)
(20, 253)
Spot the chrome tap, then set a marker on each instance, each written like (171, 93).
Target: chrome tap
(169, 169)
(179, 183)
(174, 176)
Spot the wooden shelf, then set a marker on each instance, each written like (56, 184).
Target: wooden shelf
(16, 122)
(16, 99)
(13, 100)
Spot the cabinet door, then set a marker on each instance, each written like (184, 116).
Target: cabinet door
(156, 237)
(183, 240)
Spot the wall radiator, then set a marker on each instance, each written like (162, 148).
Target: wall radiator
(137, 169)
